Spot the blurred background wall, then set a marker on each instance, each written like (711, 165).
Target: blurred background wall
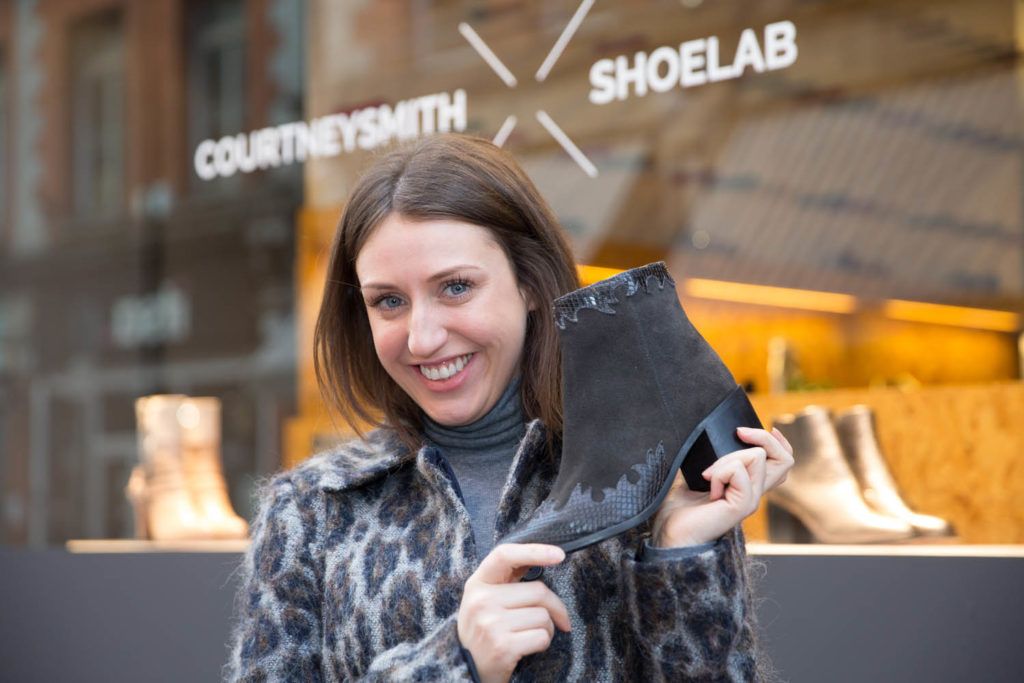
(850, 221)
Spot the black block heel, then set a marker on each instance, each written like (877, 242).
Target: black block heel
(718, 437)
(785, 527)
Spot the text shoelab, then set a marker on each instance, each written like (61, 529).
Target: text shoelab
(694, 62)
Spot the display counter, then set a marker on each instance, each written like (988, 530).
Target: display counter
(138, 611)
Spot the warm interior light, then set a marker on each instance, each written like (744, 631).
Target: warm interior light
(744, 293)
(960, 316)
(830, 302)
(764, 295)
(591, 274)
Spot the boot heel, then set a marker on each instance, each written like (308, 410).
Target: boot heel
(784, 527)
(717, 437)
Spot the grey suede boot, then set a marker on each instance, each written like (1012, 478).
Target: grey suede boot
(644, 395)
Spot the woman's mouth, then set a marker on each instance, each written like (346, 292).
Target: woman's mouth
(447, 370)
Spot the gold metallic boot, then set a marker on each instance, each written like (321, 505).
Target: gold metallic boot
(136, 493)
(170, 514)
(200, 431)
(856, 429)
(820, 499)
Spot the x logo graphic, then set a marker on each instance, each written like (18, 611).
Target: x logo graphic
(510, 80)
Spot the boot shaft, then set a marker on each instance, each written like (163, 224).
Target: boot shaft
(630, 351)
(640, 308)
(856, 430)
(818, 453)
(199, 418)
(156, 425)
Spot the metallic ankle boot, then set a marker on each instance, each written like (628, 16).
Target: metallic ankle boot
(857, 434)
(199, 419)
(820, 499)
(644, 395)
(170, 513)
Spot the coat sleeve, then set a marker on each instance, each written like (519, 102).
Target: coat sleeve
(277, 629)
(691, 614)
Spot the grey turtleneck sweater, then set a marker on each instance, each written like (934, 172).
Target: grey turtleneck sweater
(480, 454)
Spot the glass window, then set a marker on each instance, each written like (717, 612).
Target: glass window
(4, 215)
(835, 187)
(215, 43)
(97, 114)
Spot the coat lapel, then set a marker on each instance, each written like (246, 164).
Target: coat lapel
(529, 479)
(359, 462)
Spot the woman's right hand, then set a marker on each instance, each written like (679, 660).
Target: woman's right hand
(502, 619)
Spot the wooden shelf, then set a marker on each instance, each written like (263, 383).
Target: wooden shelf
(901, 550)
(128, 545)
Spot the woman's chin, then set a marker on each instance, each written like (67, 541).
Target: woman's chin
(455, 413)
(450, 419)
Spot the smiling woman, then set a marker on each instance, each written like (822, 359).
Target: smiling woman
(383, 559)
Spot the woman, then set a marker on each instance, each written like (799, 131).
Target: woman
(377, 560)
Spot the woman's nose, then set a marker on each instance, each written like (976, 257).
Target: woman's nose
(427, 332)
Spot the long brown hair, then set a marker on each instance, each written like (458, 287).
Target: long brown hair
(455, 177)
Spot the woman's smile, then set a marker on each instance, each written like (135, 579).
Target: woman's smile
(446, 375)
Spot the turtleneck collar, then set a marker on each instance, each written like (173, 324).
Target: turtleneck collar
(504, 423)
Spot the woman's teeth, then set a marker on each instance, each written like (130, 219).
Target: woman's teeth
(445, 370)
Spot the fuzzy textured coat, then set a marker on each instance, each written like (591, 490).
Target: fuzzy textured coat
(359, 556)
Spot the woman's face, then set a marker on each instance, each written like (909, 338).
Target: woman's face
(447, 316)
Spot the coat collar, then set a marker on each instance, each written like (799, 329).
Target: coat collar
(360, 461)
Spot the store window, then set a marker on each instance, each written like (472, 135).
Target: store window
(4, 211)
(215, 54)
(97, 115)
(836, 188)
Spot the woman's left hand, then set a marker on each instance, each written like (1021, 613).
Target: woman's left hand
(738, 480)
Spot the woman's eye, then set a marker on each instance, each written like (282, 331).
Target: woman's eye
(457, 288)
(388, 302)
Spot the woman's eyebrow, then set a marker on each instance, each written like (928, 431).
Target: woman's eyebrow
(447, 272)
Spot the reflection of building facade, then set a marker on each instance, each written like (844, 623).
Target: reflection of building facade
(121, 274)
(861, 205)
(847, 219)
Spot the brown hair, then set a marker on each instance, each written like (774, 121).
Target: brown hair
(441, 176)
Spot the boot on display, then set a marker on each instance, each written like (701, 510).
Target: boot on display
(169, 511)
(858, 436)
(199, 419)
(820, 500)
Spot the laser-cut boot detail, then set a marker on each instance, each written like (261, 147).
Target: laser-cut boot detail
(644, 396)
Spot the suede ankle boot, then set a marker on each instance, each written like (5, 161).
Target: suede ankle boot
(644, 395)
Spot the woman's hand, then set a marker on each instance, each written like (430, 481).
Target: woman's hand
(738, 480)
(500, 619)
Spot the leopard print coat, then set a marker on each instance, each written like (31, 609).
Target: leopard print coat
(359, 556)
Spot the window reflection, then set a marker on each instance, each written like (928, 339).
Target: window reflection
(97, 114)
